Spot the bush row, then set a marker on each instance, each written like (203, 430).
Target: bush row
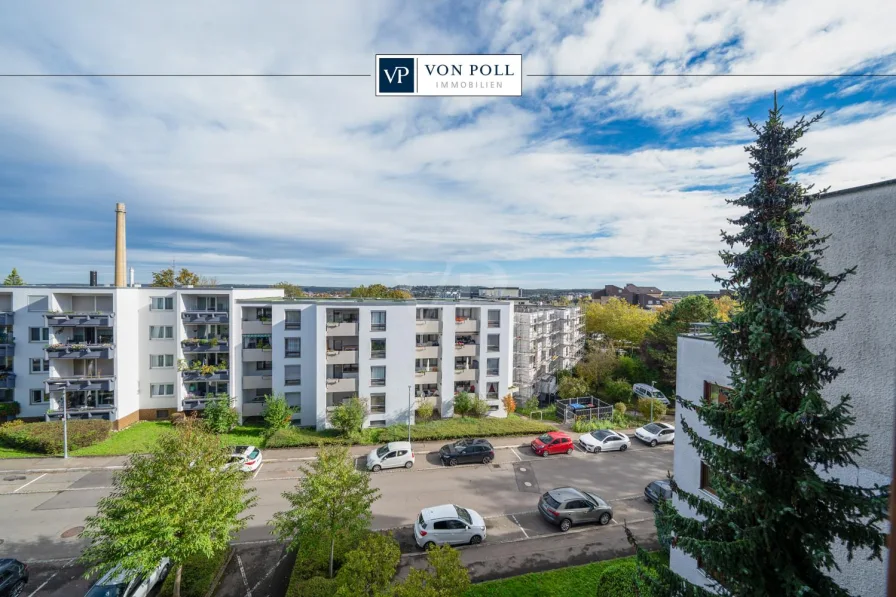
(46, 437)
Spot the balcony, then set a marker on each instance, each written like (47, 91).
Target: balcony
(465, 374)
(348, 356)
(83, 412)
(427, 352)
(426, 375)
(428, 326)
(102, 383)
(7, 380)
(463, 324)
(6, 318)
(258, 354)
(465, 350)
(257, 380)
(206, 375)
(202, 316)
(80, 351)
(7, 346)
(342, 384)
(199, 402)
(69, 320)
(345, 328)
(203, 345)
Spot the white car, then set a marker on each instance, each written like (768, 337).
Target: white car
(656, 433)
(643, 390)
(113, 584)
(248, 458)
(448, 524)
(604, 440)
(392, 455)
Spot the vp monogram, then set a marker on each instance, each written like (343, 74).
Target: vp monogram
(396, 75)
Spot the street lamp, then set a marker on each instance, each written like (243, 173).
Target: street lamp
(409, 413)
(652, 385)
(64, 424)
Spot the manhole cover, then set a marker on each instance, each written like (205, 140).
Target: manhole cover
(72, 532)
(522, 469)
(496, 466)
(15, 478)
(527, 484)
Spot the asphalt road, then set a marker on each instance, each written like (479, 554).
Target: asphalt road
(42, 513)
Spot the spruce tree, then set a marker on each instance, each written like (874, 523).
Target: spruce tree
(780, 441)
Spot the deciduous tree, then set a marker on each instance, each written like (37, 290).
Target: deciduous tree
(369, 568)
(277, 412)
(291, 290)
(618, 320)
(379, 291)
(167, 279)
(573, 387)
(348, 417)
(661, 342)
(445, 577)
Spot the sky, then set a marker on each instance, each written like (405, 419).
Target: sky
(581, 182)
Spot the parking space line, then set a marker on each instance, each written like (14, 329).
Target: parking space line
(517, 454)
(30, 482)
(576, 446)
(258, 470)
(269, 572)
(525, 534)
(38, 589)
(239, 561)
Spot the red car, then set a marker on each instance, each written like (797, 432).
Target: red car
(553, 442)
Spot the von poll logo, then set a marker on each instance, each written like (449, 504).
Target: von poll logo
(482, 75)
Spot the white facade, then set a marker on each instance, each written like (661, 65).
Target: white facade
(547, 339)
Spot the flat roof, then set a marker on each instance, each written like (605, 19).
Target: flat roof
(374, 301)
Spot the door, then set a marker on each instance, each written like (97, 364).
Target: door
(470, 454)
(459, 531)
(442, 532)
(577, 511)
(612, 442)
(401, 457)
(389, 460)
(666, 435)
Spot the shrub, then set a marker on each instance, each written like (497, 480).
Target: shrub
(12, 424)
(198, 574)
(617, 389)
(479, 408)
(349, 416)
(219, 416)
(316, 586)
(425, 411)
(618, 579)
(620, 407)
(509, 404)
(632, 369)
(530, 405)
(659, 409)
(9, 409)
(46, 437)
(177, 418)
(277, 412)
(463, 402)
(583, 425)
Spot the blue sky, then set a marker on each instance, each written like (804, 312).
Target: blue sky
(581, 182)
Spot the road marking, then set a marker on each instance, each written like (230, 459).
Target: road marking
(36, 591)
(30, 482)
(517, 454)
(525, 534)
(269, 572)
(245, 580)
(258, 470)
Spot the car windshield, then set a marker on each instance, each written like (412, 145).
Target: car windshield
(382, 451)
(601, 434)
(658, 394)
(597, 500)
(107, 591)
(253, 454)
(545, 439)
(652, 428)
(464, 515)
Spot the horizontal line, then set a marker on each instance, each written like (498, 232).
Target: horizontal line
(117, 75)
(717, 75)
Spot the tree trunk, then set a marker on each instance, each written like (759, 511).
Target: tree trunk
(177, 574)
(332, 548)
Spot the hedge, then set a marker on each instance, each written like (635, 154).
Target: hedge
(9, 409)
(46, 437)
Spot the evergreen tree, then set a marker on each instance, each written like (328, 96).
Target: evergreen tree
(775, 468)
(14, 279)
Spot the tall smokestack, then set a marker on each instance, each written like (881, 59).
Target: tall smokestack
(120, 247)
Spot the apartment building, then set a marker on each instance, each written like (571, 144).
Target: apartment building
(546, 339)
(392, 352)
(646, 297)
(862, 235)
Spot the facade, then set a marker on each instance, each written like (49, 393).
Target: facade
(500, 293)
(319, 353)
(546, 339)
(646, 297)
(860, 222)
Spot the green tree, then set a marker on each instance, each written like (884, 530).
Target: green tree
(618, 390)
(725, 306)
(348, 417)
(779, 515)
(167, 279)
(219, 416)
(661, 342)
(329, 510)
(426, 409)
(618, 320)
(463, 403)
(291, 290)
(478, 408)
(177, 502)
(597, 367)
(633, 370)
(277, 413)
(651, 408)
(14, 279)
(379, 291)
(445, 577)
(369, 568)
(573, 387)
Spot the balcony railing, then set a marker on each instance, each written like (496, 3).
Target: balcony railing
(292, 381)
(7, 349)
(494, 324)
(199, 375)
(78, 319)
(378, 382)
(377, 327)
(79, 383)
(202, 316)
(492, 371)
(493, 348)
(377, 409)
(7, 318)
(377, 354)
(194, 345)
(200, 401)
(7, 380)
(102, 411)
(80, 351)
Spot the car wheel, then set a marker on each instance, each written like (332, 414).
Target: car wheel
(428, 545)
(653, 443)
(623, 448)
(565, 524)
(476, 540)
(604, 518)
(597, 449)
(376, 468)
(409, 464)
(486, 460)
(570, 451)
(452, 462)
(672, 443)
(544, 454)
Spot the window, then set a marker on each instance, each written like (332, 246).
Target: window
(40, 365)
(294, 399)
(378, 348)
(492, 367)
(162, 303)
(39, 334)
(264, 365)
(293, 347)
(377, 404)
(377, 321)
(263, 314)
(491, 391)
(293, 319)
(161, 415)
(37, 397)
(377, 376)
(161, 332)
(494, 342)
(293, 375)
(38, 303)
(494, 318)
(715, 393)
(706, 478)
(379, 423)
(157, 390)
(161, 361)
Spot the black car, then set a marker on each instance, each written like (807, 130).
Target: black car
(466, 451)
(13, 577)
(658, 490)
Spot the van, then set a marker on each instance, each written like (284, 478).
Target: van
(643, 390)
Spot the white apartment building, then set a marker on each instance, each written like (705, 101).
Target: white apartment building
(861, 235)
(391, 352)
(546, 339)
(140, 353)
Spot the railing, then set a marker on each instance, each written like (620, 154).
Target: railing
(376, 409)
(494, 324)
(293, 325)
(293, 354)
(377, 382)
(377, 354)
(493, 348)
(492, 372)
(569, 409)
(295, 381)
(377, 327)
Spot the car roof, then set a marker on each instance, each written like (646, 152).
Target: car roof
(664, 483)
(665, 425)
(439, 512)
(115, 576)
(242, 450)
(4, 562)
(399, 445)
(563, 494)
(556, 434)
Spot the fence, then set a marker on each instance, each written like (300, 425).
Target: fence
(568, 409)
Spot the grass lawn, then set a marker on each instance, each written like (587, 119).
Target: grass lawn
(13, 453)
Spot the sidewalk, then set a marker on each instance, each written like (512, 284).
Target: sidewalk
(94, 463)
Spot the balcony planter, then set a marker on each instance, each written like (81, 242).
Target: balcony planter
(332, 353)
(10, 409)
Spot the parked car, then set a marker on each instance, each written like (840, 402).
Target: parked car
(448, 524)
(392, 455)
(466, 451)
(552, 442)
(658, 490)
(566, 506)
(113, 583)
(643, 390)
(604, 440)
(656, 433)
(13, 577)
(248, 458)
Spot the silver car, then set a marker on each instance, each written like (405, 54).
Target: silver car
(448, 524)
(566, 506)
(113, 584)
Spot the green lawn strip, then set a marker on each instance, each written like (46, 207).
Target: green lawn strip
(13, 453)
(197, 576)
(138, 438)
